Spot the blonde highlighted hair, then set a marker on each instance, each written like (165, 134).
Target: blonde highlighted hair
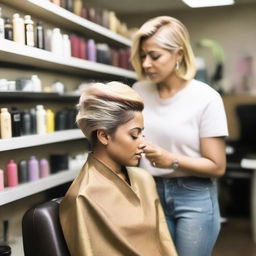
(106, 106)
(171, 35)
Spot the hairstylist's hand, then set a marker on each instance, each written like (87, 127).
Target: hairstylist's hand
(158, 156)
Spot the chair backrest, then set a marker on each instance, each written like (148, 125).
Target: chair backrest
(41, 230)
(246, 114)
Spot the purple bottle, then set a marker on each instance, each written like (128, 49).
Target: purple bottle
(44, 168)
(91, 50)
(33, 169)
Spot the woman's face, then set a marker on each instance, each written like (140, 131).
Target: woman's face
(157, 62)
(126, 145)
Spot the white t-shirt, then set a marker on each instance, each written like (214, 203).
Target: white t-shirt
(177, 123)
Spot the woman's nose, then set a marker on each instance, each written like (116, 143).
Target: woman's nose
(146, 62)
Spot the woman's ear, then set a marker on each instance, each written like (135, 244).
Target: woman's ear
(102, 136)
(180, 54)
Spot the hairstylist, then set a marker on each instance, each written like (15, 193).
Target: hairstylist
(186, 124)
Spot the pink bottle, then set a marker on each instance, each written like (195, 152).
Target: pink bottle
(12, 174)
(44, 168)
(1, 180)
(33, 169)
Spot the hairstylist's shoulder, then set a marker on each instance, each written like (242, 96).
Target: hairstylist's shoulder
(205, 90)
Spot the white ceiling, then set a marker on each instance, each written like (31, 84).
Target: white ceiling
(145, 6)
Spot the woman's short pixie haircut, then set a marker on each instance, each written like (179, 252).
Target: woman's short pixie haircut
(106, 106)
(171, 35)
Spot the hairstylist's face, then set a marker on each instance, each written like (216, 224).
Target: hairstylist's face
(158, 63)
(126, 145)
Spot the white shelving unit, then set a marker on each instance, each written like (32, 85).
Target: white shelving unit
(23, 190)
(37, 140)
(25, 56)
(62, 17)
(21, 54)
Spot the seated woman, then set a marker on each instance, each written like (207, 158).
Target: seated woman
(112, 209)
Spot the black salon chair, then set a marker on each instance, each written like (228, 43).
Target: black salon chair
(237, 179)
(41, 230)
(245, 146)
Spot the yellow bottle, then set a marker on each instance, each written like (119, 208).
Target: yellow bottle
(50, 125)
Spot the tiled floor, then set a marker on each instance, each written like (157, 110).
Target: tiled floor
(235, 239)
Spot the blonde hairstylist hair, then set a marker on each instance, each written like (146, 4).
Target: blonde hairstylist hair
(106, 106)
(171, 35)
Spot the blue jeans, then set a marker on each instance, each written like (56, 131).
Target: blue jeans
(192, 212)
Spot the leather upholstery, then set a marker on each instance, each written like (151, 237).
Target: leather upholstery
(41, 230)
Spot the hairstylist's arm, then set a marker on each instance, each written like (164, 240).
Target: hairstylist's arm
(212, 162)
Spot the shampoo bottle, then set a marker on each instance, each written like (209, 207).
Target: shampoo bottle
(1, 25)
(66, 46)
(50, 123)
(33, 120)
(40, 39)
(26, 122)
(44, 168)
(91, 50)
(18, 29)
(6, 127)
(1, 180)
(23, 171)
(33, 169)
(56, 42)
(16, 122)
(12, 174)
(8, 29)
(29, 31)
(37, 84)
(40, 120)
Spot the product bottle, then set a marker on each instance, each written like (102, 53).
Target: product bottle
(40, 39)
(1, 25)
(50, 127)
(66, 46)
(33, 120)
(91, 50)
(1, 180)
(37, 84)
(69, 5)
(16, 121)
(6, 125)
(26, 123)
(77, 7)
(57, 2)
(40, 119)
(56, 42)
(8, 29)
(23, 171)
(18, 29)
(44, 168)
(33, 169)
(12, 174)
(29, 31)
(105, 18)
(61, 120)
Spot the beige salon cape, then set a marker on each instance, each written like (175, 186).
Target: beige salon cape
(102, 215)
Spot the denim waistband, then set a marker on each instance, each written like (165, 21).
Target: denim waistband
(191, 178)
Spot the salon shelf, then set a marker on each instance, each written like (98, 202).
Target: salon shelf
(12, 52)
(19, 96)
(26, 189)
(37, 140)
(64, 18)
